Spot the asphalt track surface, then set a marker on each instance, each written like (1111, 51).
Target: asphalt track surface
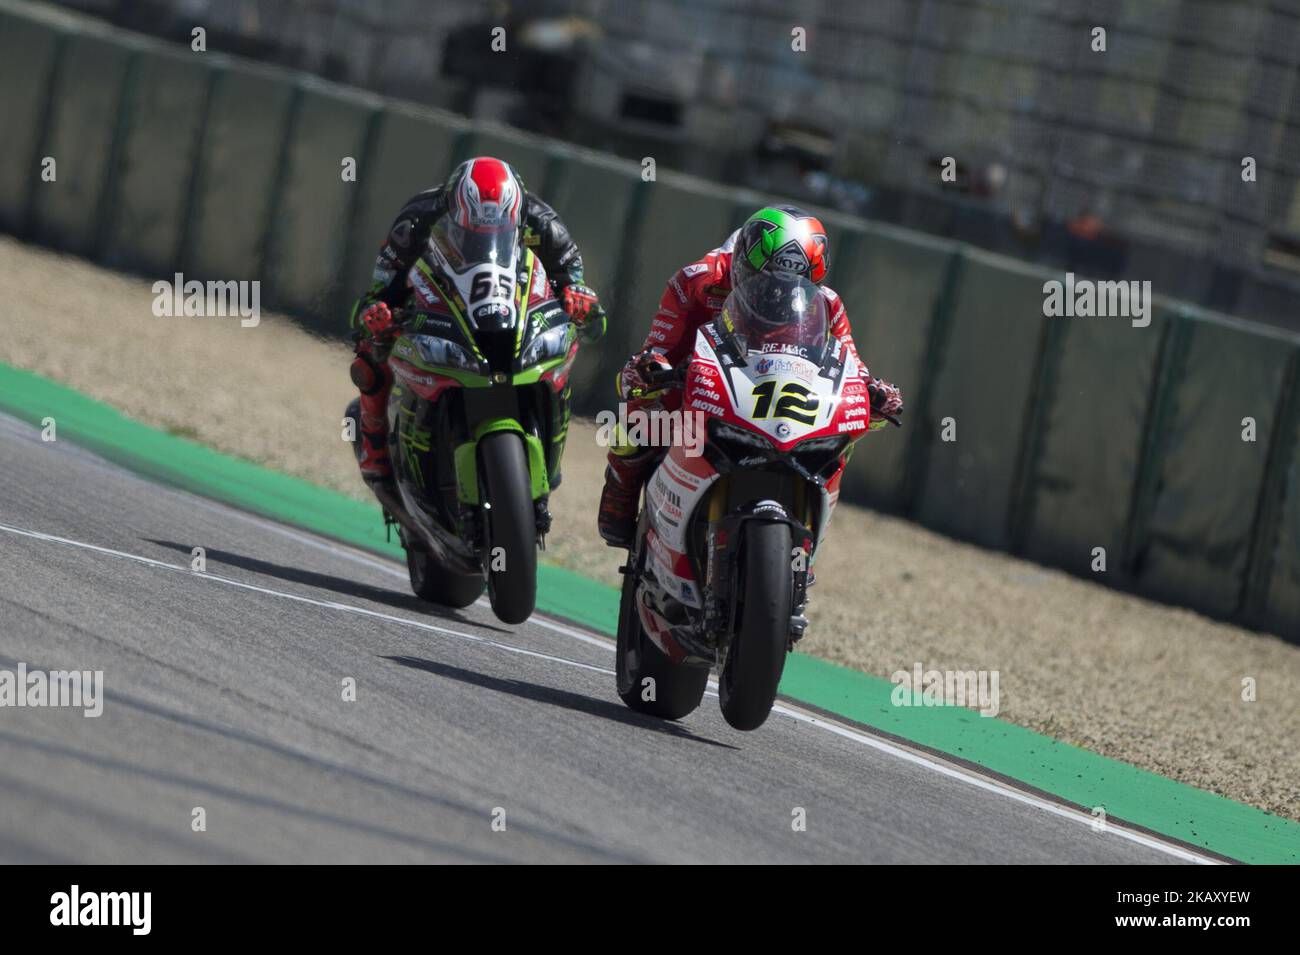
(224, 690)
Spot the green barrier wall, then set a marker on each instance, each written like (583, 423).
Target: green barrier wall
(1276, 572)
(161, 121)
(981, 375)
(313, 206)
(238, 169)
(1070, 433)
(597, 195)
(1095, 391)
(891, 282)
(27, 50)
(1208, 481)
(70, 213)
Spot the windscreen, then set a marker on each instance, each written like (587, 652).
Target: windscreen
(464, 248)
(778, 313)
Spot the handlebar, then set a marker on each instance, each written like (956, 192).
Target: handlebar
(657, 379)
(659, 376)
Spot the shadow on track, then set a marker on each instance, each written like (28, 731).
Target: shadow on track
(555, 697)
(337, 585)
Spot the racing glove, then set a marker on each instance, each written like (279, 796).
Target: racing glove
(886, 402)
(642, 376)
(583, 307)
(380, 322)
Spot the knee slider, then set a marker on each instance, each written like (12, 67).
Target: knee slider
(365, 375)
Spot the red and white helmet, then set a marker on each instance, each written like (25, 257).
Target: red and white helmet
(485, 200)
(485, 195)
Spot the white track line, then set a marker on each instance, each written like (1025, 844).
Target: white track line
(328, 604)
(846, 732)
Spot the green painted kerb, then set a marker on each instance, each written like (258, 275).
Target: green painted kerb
(1085, 779)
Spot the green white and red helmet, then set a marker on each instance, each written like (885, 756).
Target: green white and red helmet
(780, 239)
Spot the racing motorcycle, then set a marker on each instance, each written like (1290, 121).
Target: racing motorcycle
(477, 417)
(718, 572)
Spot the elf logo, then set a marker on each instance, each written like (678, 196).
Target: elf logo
(103, 908)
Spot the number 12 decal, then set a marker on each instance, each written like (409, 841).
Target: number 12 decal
(796, 402)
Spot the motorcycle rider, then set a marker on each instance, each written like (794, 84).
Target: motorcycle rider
(482, 196)
(783, 238)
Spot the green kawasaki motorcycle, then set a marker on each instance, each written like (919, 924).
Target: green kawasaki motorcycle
(477, 418)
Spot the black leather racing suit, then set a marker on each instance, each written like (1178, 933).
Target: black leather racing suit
(543, 231)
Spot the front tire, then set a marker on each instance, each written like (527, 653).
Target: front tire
(512, 526)
(678, 688)
(756, 658)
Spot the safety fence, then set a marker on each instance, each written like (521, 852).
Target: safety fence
(1171, 447)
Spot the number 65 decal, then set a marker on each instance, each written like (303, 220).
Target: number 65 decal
(482, 286)
(796, 402)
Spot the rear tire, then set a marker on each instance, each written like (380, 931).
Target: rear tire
(678, 688)
(756, 658)
(512, 526)
(437, 585)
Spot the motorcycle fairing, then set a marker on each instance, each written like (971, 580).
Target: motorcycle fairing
(785, 397)
(487, 291)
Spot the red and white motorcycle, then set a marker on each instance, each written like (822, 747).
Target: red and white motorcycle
(718, 573)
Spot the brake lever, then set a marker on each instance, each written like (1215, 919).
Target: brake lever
(660, 383)
(890, 418)
(638, 394)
